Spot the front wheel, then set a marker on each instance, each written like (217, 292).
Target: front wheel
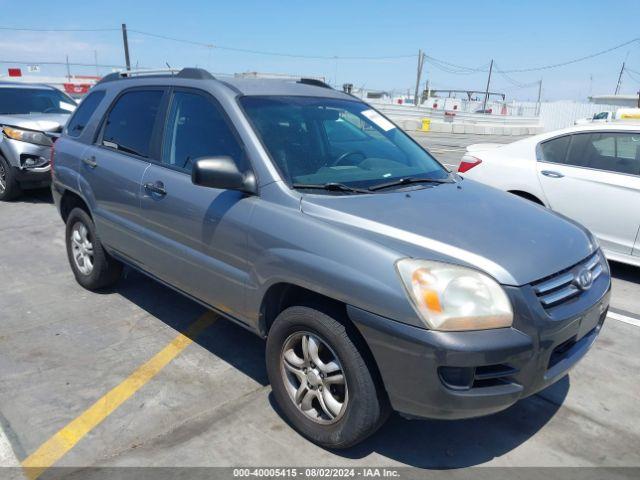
(321, 380)
(9, 186)
(92, 266)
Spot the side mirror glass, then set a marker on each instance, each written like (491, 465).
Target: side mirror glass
(223, 173)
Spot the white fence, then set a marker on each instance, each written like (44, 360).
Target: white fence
(553, 115)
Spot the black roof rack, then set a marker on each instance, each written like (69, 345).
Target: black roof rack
(315, 82)
(192, 73)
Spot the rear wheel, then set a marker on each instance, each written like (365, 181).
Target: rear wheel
(321, 380)
(92, 266)
(9, 186)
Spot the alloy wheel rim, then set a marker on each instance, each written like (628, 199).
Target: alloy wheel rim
(82, 248)
(314, 378)
(3, 178)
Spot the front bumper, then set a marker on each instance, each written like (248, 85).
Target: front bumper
(453, 375)
(30, 162)
(36, 177)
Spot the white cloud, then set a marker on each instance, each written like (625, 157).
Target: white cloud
(51, 46)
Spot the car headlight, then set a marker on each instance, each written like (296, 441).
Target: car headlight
(29, 136)
(450, 297)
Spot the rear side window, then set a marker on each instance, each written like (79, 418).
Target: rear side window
(616, 152)
(130, 122)
(555, 150)
(197, 128)
(83, 114)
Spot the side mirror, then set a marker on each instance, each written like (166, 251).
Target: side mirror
(223, 173)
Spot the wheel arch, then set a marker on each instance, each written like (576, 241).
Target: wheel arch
(527, 196)
(283, 295)
(71, 200)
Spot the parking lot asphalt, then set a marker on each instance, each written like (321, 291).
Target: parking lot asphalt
(113, 379)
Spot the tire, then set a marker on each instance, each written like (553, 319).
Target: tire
(9, 186)
(102, 270)
(366, 406)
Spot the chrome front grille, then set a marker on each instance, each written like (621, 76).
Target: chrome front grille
(570, 283)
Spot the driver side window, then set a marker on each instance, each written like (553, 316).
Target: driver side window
(197, 128)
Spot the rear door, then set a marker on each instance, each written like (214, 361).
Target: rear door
(113, 167)
(196, 236)
(594, 178)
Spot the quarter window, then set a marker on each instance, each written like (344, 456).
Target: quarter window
(130, 123)
(83, 114)
(555, 150)
(581, 150)
(197, 128)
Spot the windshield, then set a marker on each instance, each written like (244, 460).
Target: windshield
(316, 141)
(15, 101)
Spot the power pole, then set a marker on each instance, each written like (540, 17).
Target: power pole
(420, 65)
(619, 79)
(68, 69)
(95, 57)
(539, 97)
(126, 46)
(486, 92)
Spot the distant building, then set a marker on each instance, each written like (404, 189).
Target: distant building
(617, 100)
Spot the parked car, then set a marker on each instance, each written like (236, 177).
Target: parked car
(28, 113)
(621, 114)
(379, 279)
(590, 173)
(600, 117)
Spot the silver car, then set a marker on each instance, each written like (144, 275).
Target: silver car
(379, 279)
(28, 113)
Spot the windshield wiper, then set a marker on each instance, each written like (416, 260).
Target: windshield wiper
(331, 186)
(409, 180)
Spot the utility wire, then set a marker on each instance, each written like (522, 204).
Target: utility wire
(269, 53)
(44, 29)
(453, 68)
(632, 75)
(73, 64)
(575, 60)
(438, 63)
(513, 81)
(631, 70)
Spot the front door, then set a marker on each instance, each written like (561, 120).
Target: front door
(196, 235)
(594, 178)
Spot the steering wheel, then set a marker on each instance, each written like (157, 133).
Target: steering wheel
(345, 155)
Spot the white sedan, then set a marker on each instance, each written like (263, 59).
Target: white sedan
(590, 173)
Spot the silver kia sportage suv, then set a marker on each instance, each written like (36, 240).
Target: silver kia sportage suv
(379, 279)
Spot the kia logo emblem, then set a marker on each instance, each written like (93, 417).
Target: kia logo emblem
(584, 279)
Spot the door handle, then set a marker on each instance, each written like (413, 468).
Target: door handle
(552, 174)
(90, 162)
(155, 187)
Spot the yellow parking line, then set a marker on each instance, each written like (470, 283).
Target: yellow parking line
(59, 444)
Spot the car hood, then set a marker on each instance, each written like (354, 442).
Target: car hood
(467, 223)
(44, 122)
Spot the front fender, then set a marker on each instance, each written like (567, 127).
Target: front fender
(325, 260)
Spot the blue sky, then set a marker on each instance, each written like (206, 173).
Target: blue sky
(517, 34)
